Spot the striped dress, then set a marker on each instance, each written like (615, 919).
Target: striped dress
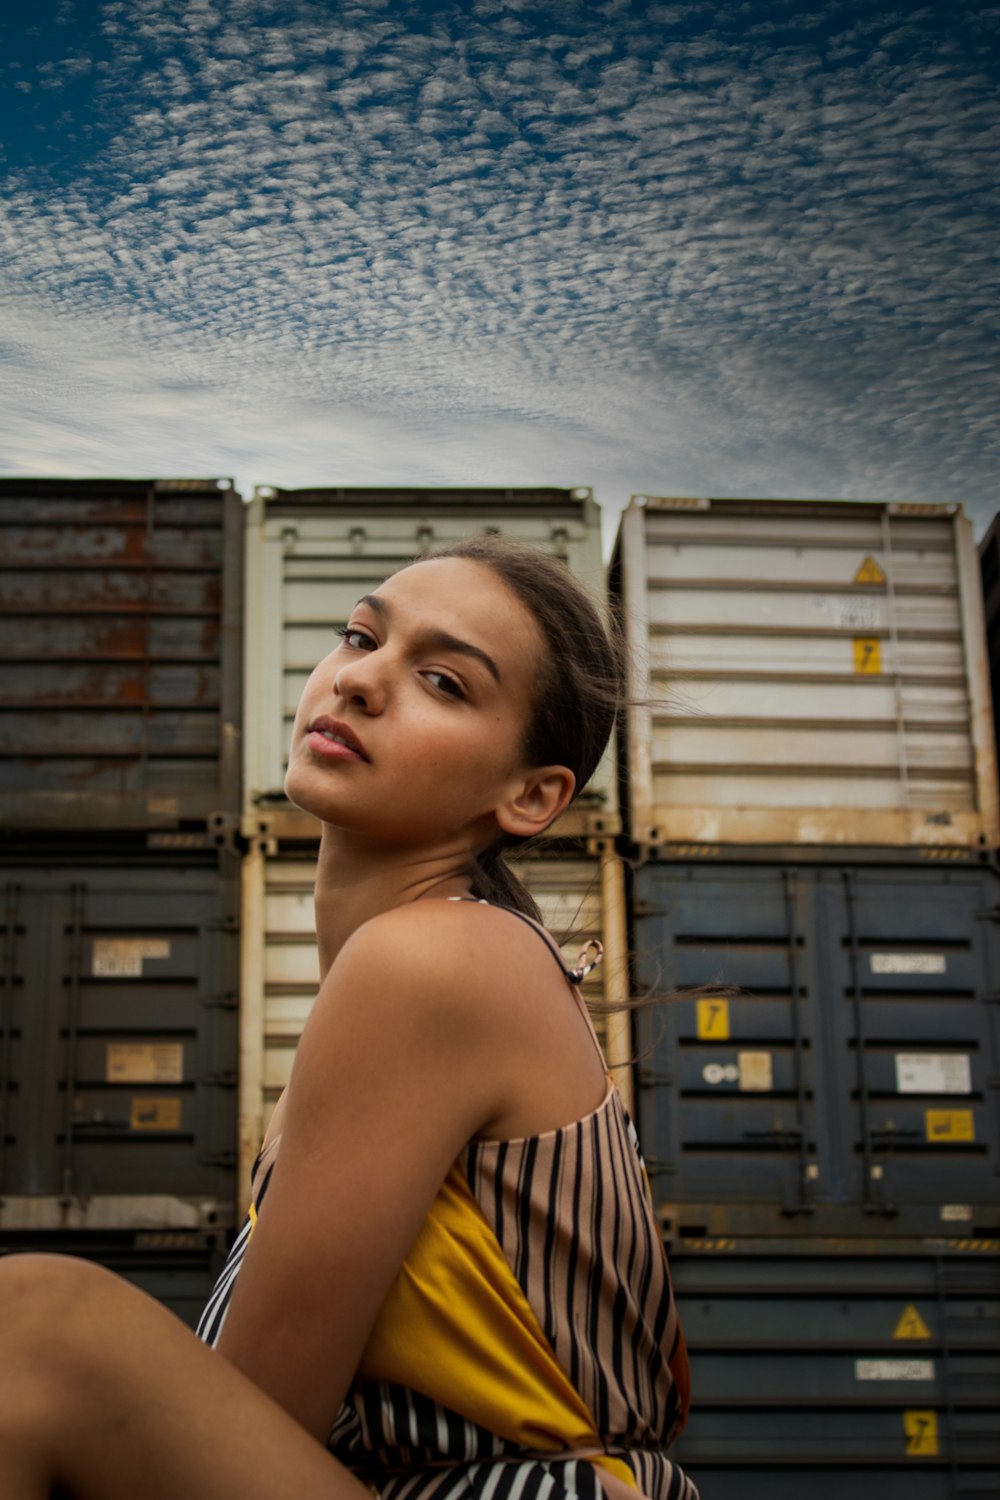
(530, 1342)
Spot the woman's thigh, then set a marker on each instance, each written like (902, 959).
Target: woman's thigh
(105, 1394)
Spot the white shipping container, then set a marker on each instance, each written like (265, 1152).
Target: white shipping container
(805, 673)
(311, 554)
(580, 897)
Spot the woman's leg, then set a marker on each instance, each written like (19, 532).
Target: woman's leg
(105, 1395)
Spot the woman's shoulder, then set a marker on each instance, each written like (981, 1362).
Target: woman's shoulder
(457, 949)
(431, 927)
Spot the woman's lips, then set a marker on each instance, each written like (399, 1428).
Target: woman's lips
(335, 740)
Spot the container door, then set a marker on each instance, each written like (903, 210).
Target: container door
(728, 1078)
(910, 974)
(120, 1043)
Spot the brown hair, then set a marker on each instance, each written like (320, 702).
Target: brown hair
(580, 691)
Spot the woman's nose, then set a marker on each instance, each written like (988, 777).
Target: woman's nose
(361, 682)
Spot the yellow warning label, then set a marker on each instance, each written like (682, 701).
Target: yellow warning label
(869, 572)
(921, 1429)
(949, 1125)
(867, 654)
(911, 1325)
(713, 1020)
(156, 1114)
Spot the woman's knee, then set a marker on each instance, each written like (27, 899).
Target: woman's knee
(46, 1300)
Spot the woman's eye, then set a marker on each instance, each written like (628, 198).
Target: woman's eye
(445, 684)
(358, 640)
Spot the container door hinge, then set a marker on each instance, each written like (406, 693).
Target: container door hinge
(648, 909)
(224, 831)
(226, 1078)
(228, 1000)
(225, 1159)
(222, 924)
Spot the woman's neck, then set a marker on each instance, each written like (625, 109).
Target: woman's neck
(356, 881)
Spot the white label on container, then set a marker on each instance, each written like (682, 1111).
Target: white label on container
(856, 614)
(756, 1072)
(908, 963)
(894, 1369)
(122, 958)
(956, 1213)
(137, 1062)
(933, 1073)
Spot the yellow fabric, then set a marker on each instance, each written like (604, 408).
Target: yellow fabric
(456, 1310)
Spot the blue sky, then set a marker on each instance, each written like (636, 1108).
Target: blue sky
(723, 249)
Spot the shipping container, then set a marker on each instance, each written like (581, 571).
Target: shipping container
(805, 673)
(311, 554)
(828, 1374)
(989, 562)
(120, 620)
(838, 1067)
(580, 894)
(118, 1040)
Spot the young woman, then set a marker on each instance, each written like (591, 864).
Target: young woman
(451, 1276)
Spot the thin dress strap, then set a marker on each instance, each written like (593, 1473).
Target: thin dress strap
(583, 967)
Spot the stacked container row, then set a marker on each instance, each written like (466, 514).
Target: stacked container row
(120, 795)
(810, 804)
(811, 794)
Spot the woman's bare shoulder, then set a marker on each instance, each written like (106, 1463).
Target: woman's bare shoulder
(452, 942)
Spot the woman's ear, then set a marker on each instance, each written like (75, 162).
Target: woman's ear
(536, 801)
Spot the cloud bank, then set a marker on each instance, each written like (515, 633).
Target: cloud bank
(671, 248)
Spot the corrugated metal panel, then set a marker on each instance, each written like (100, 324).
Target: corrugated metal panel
(805, 673)
(580, 896)
(880, 1372)
(851, 1083)
(120, 613)
(118, 1040)
(311, 554)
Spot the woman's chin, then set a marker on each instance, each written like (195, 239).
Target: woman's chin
(308, 799)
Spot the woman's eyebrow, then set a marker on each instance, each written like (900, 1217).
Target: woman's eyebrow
(438, 637)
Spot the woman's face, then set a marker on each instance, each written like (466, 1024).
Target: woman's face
(411, 729)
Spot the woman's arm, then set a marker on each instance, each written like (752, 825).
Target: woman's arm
(400, 1064)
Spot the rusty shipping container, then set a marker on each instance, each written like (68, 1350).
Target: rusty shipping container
(580, 894)
(120, 624)
(805, 674)
(311, 554)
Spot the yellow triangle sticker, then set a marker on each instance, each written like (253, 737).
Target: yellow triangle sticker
(869, 572)
(911, 1325)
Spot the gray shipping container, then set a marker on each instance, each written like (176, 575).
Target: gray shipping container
(120, 621)
(311, 554)
(850, 1083)
(118, 1043)
(805, 673)
(827, 1375)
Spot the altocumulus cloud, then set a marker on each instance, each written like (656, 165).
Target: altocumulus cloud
(709, 248)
